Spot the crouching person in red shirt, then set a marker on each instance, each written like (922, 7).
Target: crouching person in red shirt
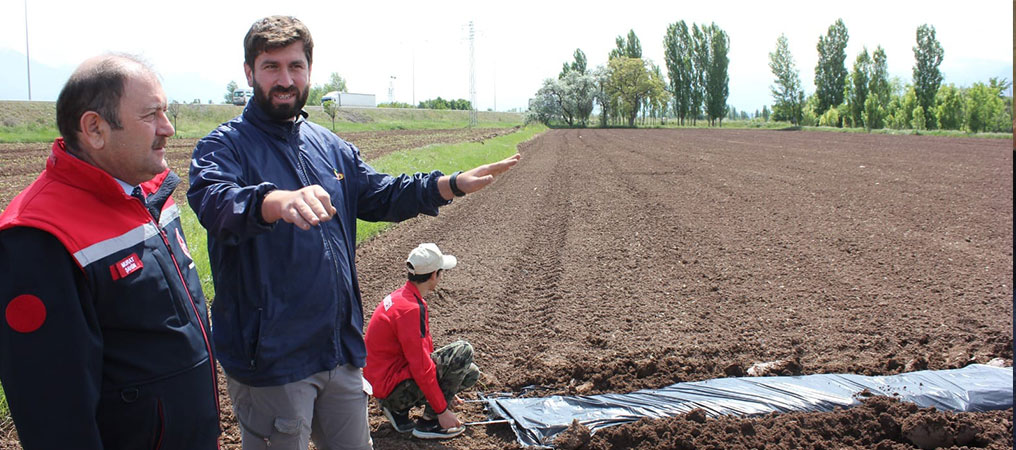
(402, 366)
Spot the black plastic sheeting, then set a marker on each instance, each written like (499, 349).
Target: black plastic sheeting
(537, 421)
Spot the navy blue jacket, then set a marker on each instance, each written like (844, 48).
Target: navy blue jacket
(104, 340)
(287, 302)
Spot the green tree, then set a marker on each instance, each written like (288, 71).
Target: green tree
(543, 107)
(330, 109)
(788, 97)
(831, 118)
(174, 110)
(949, 109)
(677, 56)
(659, 97)
(629, 48)
(228, 96)
(630, 84)
(985, 109)
(830, 72)
(633, 48)
(580, 92)
(554, 91)
(858, 86)
(601, 78)
(876, 106)
(700, 67)
(335, 83)
(918, 121)
(315, 94)
(901, 109)
(928, 55)
(717, 79)
(578, 65)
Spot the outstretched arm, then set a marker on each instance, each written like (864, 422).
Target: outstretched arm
(477, 178)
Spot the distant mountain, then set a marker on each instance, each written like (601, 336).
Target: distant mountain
(46, 80)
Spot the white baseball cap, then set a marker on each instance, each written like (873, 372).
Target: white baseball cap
(428, 258)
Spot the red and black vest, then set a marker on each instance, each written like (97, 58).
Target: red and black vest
(143, 290)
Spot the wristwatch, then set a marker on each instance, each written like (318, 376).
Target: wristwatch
(455, 187)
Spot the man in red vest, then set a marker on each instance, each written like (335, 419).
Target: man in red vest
(104, 339)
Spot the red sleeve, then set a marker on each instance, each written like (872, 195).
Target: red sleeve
(415, 347)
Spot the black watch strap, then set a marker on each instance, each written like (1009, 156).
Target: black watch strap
(454, 185)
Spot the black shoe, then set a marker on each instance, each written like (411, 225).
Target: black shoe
(399, 421)
(431, 429)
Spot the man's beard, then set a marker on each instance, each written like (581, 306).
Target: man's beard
(281, 112)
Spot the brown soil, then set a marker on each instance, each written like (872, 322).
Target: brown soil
(618, 260)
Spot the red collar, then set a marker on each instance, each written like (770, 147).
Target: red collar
(75, 172)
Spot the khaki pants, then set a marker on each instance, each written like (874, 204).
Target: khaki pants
(328, 407)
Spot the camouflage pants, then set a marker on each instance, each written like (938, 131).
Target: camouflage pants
(455, 373)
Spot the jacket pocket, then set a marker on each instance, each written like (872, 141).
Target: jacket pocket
(169, 275)
(254, 343)
(127, 419)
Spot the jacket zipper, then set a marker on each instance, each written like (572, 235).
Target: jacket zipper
(305, 180)
(197, 316)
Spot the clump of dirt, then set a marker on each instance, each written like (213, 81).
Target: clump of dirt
(929, 431)
(784, 367)
(575, 437)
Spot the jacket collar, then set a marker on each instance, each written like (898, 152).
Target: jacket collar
(280, 129)
(73, 171)
(411, 288)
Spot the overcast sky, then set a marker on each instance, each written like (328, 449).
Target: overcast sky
(197, 47)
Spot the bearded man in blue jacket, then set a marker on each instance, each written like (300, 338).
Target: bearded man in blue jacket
(280, 196)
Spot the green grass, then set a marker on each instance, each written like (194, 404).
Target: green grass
(28, 133)
(5, 412)
(197, 243)
(446, 158)
(36, 121)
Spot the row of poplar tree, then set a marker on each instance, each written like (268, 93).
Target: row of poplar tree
(696, 86)
(630, 86)
(867, 97)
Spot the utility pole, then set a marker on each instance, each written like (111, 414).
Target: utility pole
(28, 61)
(391, 89)
(472, 78)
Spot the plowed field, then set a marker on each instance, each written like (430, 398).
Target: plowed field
(617, 260)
